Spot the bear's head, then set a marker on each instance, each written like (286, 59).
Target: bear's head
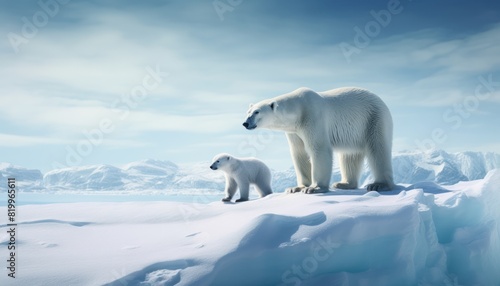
(284, 112)
(261, 115)
(221, 161)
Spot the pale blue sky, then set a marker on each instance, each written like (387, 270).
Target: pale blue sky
(172, 80)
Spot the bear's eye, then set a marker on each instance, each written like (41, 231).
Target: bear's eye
(256, 112)
(272, 106)
(217, 161)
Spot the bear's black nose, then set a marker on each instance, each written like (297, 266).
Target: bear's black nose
(213, 168)
(245, 124)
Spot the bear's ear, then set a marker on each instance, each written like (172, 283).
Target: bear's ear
(250, 106)
(272, 105)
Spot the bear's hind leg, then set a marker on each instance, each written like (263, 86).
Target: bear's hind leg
(244, 190)
(262, 182)
(263, 189)
(380, 161)
(350, 169)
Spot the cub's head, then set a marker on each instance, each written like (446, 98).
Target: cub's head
(221, 161)
(261, 115)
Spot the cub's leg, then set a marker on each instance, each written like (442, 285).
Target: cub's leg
(230, 190)
(244, 187)
(263, 188)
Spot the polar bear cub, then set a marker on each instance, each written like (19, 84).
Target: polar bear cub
(241, 173)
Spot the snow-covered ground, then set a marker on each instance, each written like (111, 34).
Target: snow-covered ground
(424, 234)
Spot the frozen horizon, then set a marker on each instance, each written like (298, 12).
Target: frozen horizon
(165, 178)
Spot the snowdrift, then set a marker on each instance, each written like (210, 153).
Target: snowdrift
(424, 234)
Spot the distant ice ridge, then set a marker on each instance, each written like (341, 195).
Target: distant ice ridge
(156, 175)
(26, 179)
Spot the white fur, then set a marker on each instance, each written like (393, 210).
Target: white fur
(241, 173)
(352, 121)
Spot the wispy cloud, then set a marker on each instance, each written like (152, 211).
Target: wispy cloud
(431, 70)
(212, 123)
(11, 140)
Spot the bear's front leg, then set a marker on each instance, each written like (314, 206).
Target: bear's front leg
(231, 187)
(314, 190)
(321, 162)
(297, 189)
(301, 163)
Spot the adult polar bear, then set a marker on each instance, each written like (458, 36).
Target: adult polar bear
(352, 121)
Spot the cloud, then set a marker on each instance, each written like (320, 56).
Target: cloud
(73, 116)
(142, 121)
(53, 113)
(425, 69)
(11, 140)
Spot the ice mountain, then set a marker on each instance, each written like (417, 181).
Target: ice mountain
(442, 167)
(142, 175)
(96, 177)
(412, 167)
(158, 175)
(149, 174)
(25, 178)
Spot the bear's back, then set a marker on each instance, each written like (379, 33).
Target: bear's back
(350, 94)
(353, 113)
(354, 100)
(254, 168)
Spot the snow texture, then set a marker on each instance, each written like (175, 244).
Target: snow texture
(156, 175)
(423, 234)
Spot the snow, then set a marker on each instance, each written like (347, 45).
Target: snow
(422, 234)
